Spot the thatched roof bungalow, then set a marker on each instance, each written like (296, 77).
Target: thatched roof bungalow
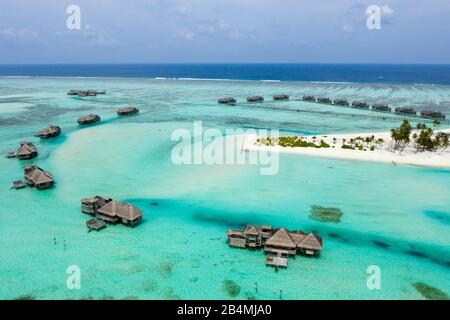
(38, 177)
(281, 243)
(255, 99)
(127, 111)
(405, 110)
(381, 107)
(341, 102)
(91, 205)
(308, 98)
(281, 97)
(89, 119)
(26, 151)
(310, 244)
(116, 211)
(432, 115)
(50, 132)
(227, 100)
(323, 100)
(360, 105)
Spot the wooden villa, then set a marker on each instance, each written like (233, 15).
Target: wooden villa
(50, 132)
(85, 93)
(324, 100)
(38, 177)
(309, 98)
(26, 151)
(127, 111)
(112, 211)
(341, 102)
(255, 99)
(18, 184)
(279, 244)
(405, 110)
(360, 105)
(227, 100)
(381, 107)
(432, 115)
(89, 119)
(278, 97)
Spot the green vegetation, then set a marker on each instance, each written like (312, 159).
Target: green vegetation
(231, 288)
(293, 142)
(425, 139)
(324, 214)
(430, 292)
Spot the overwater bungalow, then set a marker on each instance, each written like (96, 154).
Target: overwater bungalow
(360, 105)
(255, 99)
(381, 107)
(89, 119)
(281, 97)
(18, 184)
(95, 224)
(308, 98)
(112, 211)
(91, 205)
(432, 115)
(116, 211)
(278, 244)
(405, 110)
(323, 100)
(50, 132)
(26, 151)
(341, 102)
(127, 111)
(227, 100)
(84, 93)
(38, 177)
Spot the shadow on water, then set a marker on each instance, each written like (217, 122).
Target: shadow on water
(439, 216)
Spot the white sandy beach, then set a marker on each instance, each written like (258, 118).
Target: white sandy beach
(383, 153)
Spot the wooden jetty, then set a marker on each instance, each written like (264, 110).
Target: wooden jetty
(89, 119)
(127, 111)
(112, 211)
(26, 151)
(279, 244)
(50, 132)
(38, 177)
(278, 97)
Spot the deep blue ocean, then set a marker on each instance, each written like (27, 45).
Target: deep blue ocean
(360, 73)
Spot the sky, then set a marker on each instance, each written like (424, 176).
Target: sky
(224, 31)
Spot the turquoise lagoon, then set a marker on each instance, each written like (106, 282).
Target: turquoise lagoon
(395, 217)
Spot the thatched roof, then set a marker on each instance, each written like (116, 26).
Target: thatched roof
(123, 210)
(249, 229)
(37, 175)
(312, 242)
(51, 130)
(26, 148)
(89, 118)
(281, 238)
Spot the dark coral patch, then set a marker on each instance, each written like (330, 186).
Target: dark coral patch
(430, 292)
(231, 288)
(325, 214)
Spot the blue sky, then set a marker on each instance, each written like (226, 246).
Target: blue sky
(213, 31)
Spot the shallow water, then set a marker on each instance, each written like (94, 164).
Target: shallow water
(395, 217)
